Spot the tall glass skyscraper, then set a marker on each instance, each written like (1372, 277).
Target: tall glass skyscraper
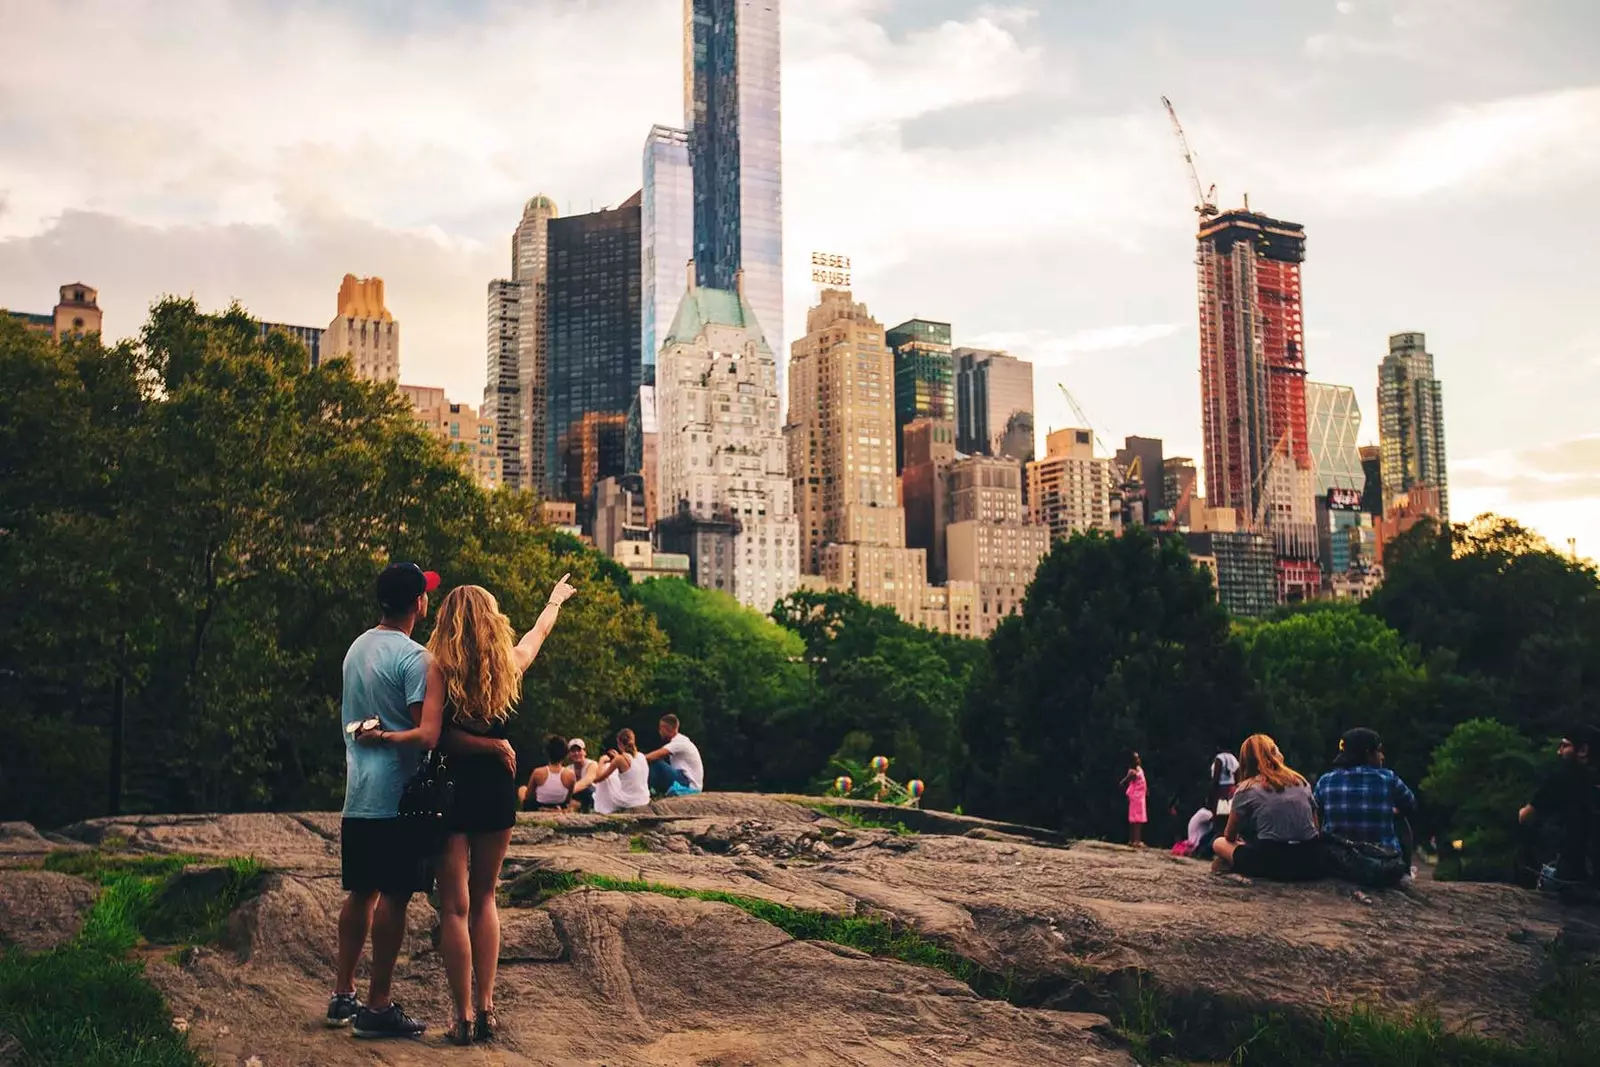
(666, 237)
(1411, 422)
(592, 362)
(731, 108)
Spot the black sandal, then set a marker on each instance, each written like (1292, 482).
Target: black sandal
(483, 1026)
(460, 1033)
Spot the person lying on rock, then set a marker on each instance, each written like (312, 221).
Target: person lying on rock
(1362, 800)
(1272, 827)
(675, 767)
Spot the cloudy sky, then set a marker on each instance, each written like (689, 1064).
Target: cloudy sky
(1007, 167)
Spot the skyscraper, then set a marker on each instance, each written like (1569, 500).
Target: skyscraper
(1069, 490)
(309, 336)
(1333, 423)
(924, 377)
(994, 404)
(364, 332)
(1252, 387)
(840, 442)
(732, 112)
(1411, 424)
(592, 335)
(502, 389)
(666, 237)
(1177, 486)
(1140, 459)
(725, 496)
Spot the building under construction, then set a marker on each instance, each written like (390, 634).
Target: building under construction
(1252, 387)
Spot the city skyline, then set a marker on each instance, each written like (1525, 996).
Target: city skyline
(1009, 173)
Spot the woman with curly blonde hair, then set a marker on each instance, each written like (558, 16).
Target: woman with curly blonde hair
(481, 668)
(1272, 829)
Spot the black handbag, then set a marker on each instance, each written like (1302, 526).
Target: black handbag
(430, 794)
(1362, 862)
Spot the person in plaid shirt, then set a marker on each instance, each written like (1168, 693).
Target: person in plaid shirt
(1362, 800)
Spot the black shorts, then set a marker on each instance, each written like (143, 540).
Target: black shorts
(484, 796)
(385, 856)
(1279, 861)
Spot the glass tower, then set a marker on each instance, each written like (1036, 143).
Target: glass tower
(1411, 422)
(731, 110)
(924, 377)
(592, 365)
(994, 404)
(666, 241)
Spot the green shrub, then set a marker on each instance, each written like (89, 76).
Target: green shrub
(1478, 778)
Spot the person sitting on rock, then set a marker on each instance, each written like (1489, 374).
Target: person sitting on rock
(675, 767)
(1362, 800)
(550, 793)
(623, 780)
(580, 775)
(1272, 827)
(1571, 796)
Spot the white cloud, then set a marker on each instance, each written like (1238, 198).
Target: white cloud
(1542, 139)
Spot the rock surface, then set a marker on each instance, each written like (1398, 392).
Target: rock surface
(624, 979)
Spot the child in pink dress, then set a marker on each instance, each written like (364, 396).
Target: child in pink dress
(1137, 789)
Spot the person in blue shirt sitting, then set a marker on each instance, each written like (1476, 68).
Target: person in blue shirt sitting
(1363, 800)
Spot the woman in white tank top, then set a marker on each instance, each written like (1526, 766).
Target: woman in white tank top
(549, 791)
(624, 780)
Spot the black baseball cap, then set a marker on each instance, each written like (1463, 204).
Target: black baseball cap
(401, 583)
(1356, 746)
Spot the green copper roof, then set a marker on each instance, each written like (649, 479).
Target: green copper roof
(702, 307)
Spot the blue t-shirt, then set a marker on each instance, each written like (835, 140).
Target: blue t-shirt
(385, 672)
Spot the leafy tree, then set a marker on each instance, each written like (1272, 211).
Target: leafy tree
(735, 680)
(1321, 672)
(200, 519)
(1479, 777)
(1509, 627)
(1120, 645)
(881, 684)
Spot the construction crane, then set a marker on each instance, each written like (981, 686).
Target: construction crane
(1205, 200)
(1083, 417)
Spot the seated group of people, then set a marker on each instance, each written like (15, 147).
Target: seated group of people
(622, 778)
(1275, 818)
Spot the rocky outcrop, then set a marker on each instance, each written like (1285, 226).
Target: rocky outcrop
(624, 978)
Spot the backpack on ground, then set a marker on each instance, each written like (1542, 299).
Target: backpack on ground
(1362, 862)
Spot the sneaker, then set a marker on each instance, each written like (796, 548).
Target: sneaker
(342, 1007)
(390, 1022)
(483, 1028)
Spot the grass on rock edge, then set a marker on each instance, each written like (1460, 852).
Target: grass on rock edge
(864, 819)
(86, 1002)
(1164, 1029)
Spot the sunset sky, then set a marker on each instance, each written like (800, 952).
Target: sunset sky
(1005, 167)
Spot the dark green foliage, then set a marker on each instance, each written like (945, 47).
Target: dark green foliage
(1482, 774)
(201, 515)
(1324, 671)
(1509, 627)
(1121, 646)
(879, 687)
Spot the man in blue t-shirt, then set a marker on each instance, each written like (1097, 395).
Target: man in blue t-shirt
(1363, 800)
(386, 676)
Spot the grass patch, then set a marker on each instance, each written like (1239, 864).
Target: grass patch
(636, 843)
(864, 819)
(145, 897)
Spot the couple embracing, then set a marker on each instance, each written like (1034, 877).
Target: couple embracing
(400, 700)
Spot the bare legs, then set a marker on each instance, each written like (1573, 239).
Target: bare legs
(469, 922)
(385, 917)
(1224, 850)
(488, 853)
(1136, 834)
(455, 943)
(355, 920)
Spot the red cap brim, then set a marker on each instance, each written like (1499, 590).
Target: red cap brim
(430, 580)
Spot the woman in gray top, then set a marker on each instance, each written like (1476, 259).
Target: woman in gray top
(1272, 829)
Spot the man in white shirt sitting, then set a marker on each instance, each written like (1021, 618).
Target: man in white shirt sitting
(675, 767)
